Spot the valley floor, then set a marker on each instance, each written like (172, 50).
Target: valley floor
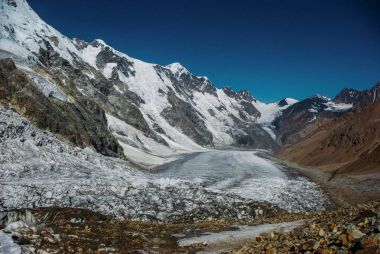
(343, 189)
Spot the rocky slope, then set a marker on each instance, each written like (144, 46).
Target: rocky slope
(152, 110)
(351, 142)
(81, 121)
(342, 152)
(336, 143)
(289, 126)
(349, 230)
(294, 118)
(356, 97)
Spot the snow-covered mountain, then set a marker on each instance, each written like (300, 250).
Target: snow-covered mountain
(153, 111)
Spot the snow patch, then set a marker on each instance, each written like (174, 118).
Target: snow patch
(337, 107)
(226, 239)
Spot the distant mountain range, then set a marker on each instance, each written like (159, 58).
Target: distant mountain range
(92, 95)
(346, 143)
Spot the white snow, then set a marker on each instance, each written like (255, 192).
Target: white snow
(28, 30)
(47, 87)
(269, 130)
(89, 55)
(177, 68)
(139, 148)
(15, 227)
(250, 176)
(225, 240)
(146, 82)
(269, 112)
(337, 107)
(107, 71)
(14, 48)
(291, 101)
(219, 124)
(7, 245)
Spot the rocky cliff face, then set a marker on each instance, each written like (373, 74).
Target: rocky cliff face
(299, 115)
(163, 109)
(82, 121)
(357, 97)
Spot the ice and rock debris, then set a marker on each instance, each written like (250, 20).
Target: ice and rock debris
(7, 245)
(38, 170)
(250, 176)
(45, 171)
(227, 239)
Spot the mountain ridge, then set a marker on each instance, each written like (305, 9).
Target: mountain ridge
(168, 107)
(152, 110)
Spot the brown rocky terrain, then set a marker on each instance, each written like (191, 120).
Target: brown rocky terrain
(350, 230)
(343, 152)
(73, 230)
(349, 144)
(296, 117)
(355, 229)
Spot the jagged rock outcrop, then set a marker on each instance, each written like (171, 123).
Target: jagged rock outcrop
(297, 116)
(180, 114)
(359, 98)
(245, 99)
(82, 122)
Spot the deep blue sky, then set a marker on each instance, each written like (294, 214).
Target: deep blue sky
(274, 48)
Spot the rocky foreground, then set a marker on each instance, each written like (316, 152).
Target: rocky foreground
(64, 230)
(349, 230)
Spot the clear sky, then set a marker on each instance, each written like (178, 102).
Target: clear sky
(273, 48)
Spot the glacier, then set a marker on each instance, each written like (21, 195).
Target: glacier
(38, 170)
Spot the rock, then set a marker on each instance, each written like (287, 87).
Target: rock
(259, 239)
(313, 226)
(354, 233)
(326, 251)
(265, 235)
(344, 239)
(369, 242)
(333, 227)
(316, 245)
(369, 250)
(308, 245)
(49, 239)
(271, 251)
(321, 232)
(18, 226)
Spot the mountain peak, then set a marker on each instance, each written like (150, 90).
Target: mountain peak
(24, 33)
(177, 68)
(98, 42)
(318, 96)
(287, 102)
